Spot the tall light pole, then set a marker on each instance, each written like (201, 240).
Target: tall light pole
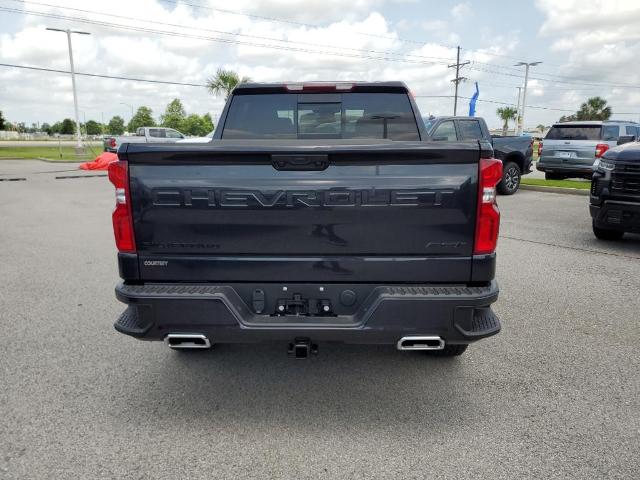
(524, 93)
(130, 106)
(73, 81)
(518, 110)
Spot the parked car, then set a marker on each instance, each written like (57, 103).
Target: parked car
(318, 212)
(206, 139)
(515, 151)
(570, 148)
(615, 191)
(143, 135)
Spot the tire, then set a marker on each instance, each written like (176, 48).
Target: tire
(448, 351)
(606, 234)
(510, 182)
(553, 176)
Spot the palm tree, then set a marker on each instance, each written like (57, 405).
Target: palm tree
(595, 108)
(224, 81)
(506, 114)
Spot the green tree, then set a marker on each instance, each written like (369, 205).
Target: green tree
(1, 121)
(116, 126)
(224, 81)
(174, 115)
(46, 128)
(506, 114)
(68, 127)
(195, 125)
(209, 122)
(595, 108)
(93, 128)
(56, 128)
(142, 118)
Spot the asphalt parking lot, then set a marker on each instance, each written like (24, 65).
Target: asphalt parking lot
(555, 395)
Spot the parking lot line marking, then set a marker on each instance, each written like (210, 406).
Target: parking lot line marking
(587, 250)
(64, 177)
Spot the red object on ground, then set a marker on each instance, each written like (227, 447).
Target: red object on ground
(101, 162)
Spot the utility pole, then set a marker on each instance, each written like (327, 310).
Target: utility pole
(457, 80)
(79, 148)
(524, 93)
(515, 130)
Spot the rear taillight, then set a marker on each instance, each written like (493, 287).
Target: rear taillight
(600, 149)
(122, 219)
(112, 143)
(488, 217)
(539, 148)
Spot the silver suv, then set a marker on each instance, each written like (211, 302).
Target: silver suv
(570, 148)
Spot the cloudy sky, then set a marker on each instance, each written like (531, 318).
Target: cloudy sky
(588, 47)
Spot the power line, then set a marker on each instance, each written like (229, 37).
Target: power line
(221, 32)
(315, 25)
(385, 56)
(201, 85)
(98, 75)
(216, 39)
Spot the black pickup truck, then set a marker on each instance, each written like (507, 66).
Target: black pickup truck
(516, 152)
(615, 191)
(317, 213)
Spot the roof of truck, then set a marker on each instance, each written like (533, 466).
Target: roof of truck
(335, 86)
(592, 122)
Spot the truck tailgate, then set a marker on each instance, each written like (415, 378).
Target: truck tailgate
(403, 210)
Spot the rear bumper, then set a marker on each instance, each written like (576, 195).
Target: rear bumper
(374, 314)
(616, 215)
(565, 169)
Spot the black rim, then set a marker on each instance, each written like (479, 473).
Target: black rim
(511, 178)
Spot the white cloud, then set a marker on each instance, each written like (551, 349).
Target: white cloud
(599, 40)
(461, 10)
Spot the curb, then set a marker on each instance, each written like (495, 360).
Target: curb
(568, 191)
(48, 160)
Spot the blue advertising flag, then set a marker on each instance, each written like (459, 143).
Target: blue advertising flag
(472, 102)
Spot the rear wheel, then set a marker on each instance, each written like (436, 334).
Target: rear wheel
(510, 179)
(448, 351)
(553, 176)
(606, 234)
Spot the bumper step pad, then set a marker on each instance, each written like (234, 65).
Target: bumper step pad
(129, 323)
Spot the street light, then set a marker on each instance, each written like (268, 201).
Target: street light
(73, 81)
(130, 106)
(524, 93)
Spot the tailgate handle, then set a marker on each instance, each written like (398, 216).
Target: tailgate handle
(300, 162)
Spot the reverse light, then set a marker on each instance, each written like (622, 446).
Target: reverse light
(122, 218)
(488, 215)
(600, 149)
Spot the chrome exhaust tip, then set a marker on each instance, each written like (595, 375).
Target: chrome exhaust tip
(420, 343)
(179, 341)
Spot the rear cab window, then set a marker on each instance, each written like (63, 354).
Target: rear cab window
(574, 132)
(445, 132)
(470, 130)
(610, 133)
(157, 132)
(330, 115)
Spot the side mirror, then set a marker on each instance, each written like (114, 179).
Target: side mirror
(626, 139)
